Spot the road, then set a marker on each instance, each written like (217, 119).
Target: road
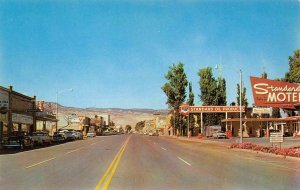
(142, 162)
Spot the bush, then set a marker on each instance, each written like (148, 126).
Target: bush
(294, 152)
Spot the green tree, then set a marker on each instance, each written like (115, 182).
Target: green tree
(244, 99)
(221, 97)
(128, 128)
(191, 103)
(208, 93)
(293, 75)
(140, 125)
(175, 90)
(276, 113)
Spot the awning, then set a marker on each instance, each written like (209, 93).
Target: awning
(286, 119)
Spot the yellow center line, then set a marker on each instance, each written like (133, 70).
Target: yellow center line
(108, 175)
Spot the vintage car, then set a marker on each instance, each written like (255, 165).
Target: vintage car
(17, 139)
(41, 138)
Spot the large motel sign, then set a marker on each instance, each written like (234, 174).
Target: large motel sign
(185, 109)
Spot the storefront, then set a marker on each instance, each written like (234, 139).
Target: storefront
(46, 122)
(4, 106)
(17, 112)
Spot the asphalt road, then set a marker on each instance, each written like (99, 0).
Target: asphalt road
(143, 162)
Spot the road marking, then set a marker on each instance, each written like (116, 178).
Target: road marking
(73, 151)
(108, 175)
(40, 163)
(163, 148)
(183, 161)
(93, 143)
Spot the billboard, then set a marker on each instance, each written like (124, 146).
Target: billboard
(271, 93)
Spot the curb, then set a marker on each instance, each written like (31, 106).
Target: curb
(227, 145)
(268, 154)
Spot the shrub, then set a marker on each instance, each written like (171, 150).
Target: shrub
(294, 152)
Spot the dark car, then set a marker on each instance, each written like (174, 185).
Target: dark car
(59, 138)
(18, 139)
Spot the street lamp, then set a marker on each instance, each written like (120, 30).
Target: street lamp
(58, 93)
(241, 127)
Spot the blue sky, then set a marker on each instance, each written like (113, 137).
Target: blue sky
(116, 53)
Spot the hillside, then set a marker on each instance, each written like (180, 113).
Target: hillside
(118, 115)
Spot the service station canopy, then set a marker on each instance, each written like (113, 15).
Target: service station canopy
(186, 109)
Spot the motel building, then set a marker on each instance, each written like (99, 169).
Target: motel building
(260, 125)
(257, 121)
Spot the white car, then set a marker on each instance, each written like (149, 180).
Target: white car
(91, 134)
(219, 135)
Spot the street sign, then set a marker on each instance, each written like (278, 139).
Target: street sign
(184, 109)
(276, 137)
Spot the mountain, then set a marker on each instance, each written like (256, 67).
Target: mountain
(118, 115)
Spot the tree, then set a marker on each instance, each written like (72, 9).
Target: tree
(276, 113)
(128, 128)
(191, 103)
(191, 95)
(293, 75)
(175, 89)
(221, 98)
(244, 99)
(208, 91)
(140, 125)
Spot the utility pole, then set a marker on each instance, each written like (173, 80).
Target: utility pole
(241, 126)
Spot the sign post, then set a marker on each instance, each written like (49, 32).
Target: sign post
(276, 137)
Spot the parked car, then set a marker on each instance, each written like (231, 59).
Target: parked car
(80, 135)
(91, 134)
(17, 139)
(59, 138)
(70, 135)
(219, 135)
(41, 138)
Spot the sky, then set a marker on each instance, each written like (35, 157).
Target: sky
(115, 54)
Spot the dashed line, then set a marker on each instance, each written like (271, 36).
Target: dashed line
(163, 148)
(40, 163)
(93, 143)
(184, 161)
(73, 151)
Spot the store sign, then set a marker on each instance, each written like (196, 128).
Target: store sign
(212, 109)
(271, 93)
(4, 101)
(40, 105)
(261, 111)
(23, 119)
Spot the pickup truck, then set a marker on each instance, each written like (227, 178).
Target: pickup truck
(41, 138)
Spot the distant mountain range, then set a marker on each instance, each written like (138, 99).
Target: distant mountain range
(119, 116)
